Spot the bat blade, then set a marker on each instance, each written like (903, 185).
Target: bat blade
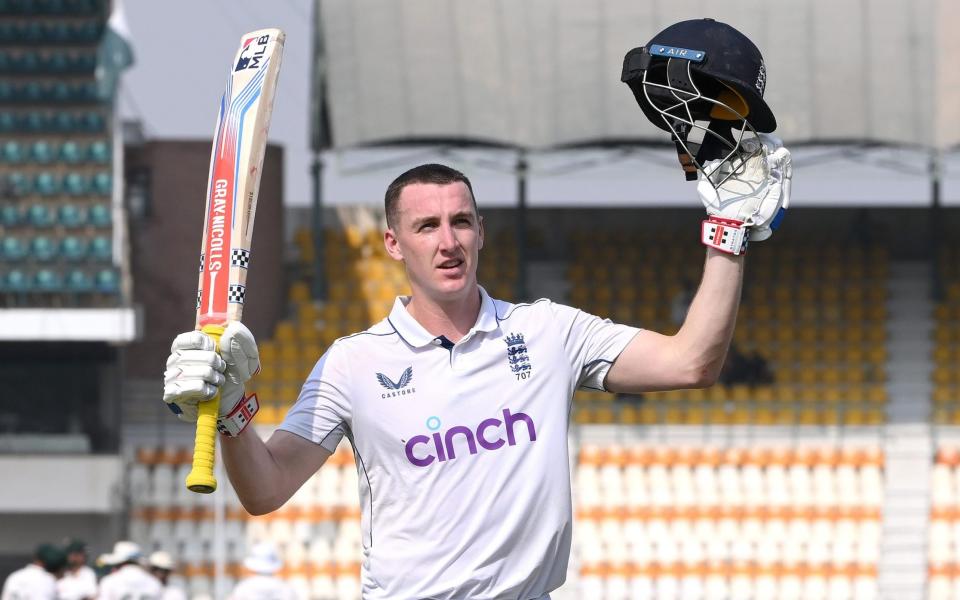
(236, 161)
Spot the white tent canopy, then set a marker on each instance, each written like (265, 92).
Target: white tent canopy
(543, 73)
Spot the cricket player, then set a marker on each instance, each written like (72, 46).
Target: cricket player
(161, 565)
(263, 563)
(130, 579)
(37, 580)
(457, 404)
(79, 581)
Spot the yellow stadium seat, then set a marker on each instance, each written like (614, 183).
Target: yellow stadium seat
(648, 414)
(284, 333)
(299, 292)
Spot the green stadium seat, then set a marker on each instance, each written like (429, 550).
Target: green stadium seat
(18, 184)
(40, 216)
(100, 216)
(62, 92)
(99, 152)
(4, 62)
(10, 215)
(101, 249)
(57, 62)
(31, 32)
(59, 33)
(25, 62)
(33, 122)
(16, 281)
(47, 280)
(106, 281)
(54, 7)
(12, 249)
(70, 216)
(42, 151)
(7, 92)
(8, 122)
(76, 184)
(46, 184)
(72, 152)
(8, 30)
(73, 248)
(93, 122)
(12, 152)
(84, 63)
(102, 184)
(64, 122)
(78, 281)
(43, 249)
(85, 91)
(86, 32)
(32, 92)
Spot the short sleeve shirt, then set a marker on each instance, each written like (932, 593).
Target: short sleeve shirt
(461, 448)
(29, 583)
(130, 581)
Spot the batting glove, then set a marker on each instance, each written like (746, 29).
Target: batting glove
(195, 371)
(746, 197)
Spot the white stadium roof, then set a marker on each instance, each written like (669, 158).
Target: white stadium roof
(545, 73)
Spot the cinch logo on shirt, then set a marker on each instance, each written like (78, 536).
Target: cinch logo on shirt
(439, 447)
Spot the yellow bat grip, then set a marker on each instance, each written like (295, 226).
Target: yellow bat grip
(201, 479)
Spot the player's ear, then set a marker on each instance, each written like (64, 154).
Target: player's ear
(392, 244)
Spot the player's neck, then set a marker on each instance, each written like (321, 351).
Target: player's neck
(450, 319)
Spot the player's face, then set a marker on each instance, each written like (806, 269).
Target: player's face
(438, 236)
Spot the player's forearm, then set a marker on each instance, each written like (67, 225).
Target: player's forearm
(708, 328)
(253, 471)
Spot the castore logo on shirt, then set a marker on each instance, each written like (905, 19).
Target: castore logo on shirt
(397, 388)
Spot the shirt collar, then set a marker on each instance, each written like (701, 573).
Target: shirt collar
(413, 332)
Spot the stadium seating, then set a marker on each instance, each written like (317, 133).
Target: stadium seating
(710, 522)
(943, 554)
(823, 339)
(318, 531)
(55, 157)
(946, 352)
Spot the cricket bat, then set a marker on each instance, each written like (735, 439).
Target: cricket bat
(239, 142)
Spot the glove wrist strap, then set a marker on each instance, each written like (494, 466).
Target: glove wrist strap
(232, 423)
(726, 235)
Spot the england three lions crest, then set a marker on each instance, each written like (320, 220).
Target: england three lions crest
(517, 356)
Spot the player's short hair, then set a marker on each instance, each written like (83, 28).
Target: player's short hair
(429, 173)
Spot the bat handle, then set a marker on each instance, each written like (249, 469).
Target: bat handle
(201, 479)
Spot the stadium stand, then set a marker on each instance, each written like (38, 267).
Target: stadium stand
(55, 159)
(818, 325)
(944, 535)
(317, 531)
(946, 351)
(725, 522)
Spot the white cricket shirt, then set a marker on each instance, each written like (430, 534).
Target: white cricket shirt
(76, 585)
(31, 582)
(461, 450)
(130, 581)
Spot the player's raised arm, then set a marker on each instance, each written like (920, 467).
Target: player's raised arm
(703, 82)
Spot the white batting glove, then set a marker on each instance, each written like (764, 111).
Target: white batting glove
(746, 200)
(195, 372)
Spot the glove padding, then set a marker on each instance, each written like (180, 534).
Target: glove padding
(195, 371)
(757, 193)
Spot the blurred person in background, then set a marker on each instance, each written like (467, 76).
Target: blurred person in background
(130, 579)
(79, 581)
(37, 580)
(161, 566)
(263, 563)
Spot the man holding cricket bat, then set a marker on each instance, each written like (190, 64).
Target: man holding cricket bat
(457, 405)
